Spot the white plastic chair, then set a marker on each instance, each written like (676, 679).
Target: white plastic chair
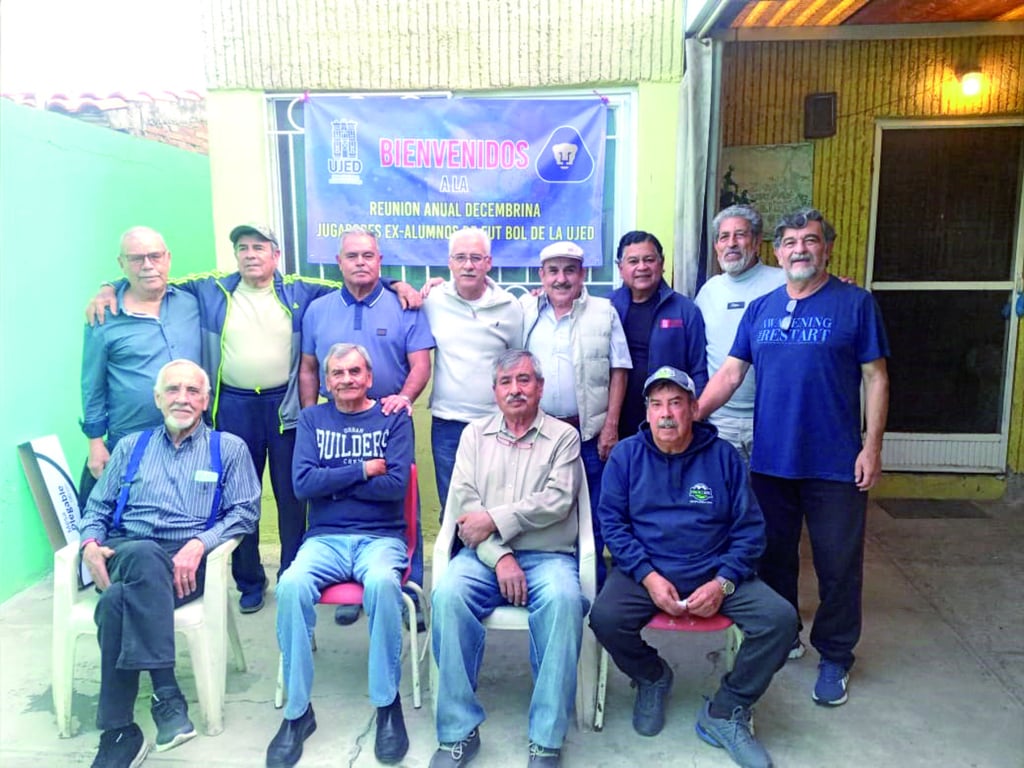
(518, 618)
(351, 593)
(207, 624)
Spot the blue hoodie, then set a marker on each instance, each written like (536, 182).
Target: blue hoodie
(689, 516)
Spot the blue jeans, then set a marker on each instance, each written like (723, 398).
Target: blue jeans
(444, 442)
(377, 562)
(466, 594)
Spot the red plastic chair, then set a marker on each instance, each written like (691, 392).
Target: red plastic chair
(685, 623)
(351, 593)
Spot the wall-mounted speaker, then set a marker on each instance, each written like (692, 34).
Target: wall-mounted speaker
(819, 115)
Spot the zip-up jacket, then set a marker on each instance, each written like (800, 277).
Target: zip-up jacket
(677, 334)
(690, 516)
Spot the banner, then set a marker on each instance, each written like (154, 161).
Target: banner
(413, 171)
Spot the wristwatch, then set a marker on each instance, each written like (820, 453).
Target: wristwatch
(727, 586)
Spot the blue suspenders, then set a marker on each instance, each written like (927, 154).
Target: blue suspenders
(133, 468)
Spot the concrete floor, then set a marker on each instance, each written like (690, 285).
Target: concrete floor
(939, 679)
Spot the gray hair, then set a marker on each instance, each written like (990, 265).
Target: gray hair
(342, 348)
(798, 220)
(356, 232)
(144, 232)
(158, 384)
(477, 231)
(512, 357)
(749, 213)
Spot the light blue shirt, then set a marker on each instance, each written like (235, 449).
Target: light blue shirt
(121, 358)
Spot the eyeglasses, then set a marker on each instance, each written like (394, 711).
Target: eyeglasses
(138, 259)
(523, 444)
(462, 258)
(786, 322)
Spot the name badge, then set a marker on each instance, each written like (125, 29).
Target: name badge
(205, 476)
(736, 305)
(672, 322)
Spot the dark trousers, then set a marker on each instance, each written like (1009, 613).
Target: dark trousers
(835, 513)
(444, 443)
(254, 418)
(767, 621)
(135, 621)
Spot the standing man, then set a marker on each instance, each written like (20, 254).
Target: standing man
(352, 463)
(399, 342)
(579, 341)
(686, 532)
(145, 545)
(722, 301)
(814, 342)
(513, 501)
(662, 326)
(120, 360)
(473, 320)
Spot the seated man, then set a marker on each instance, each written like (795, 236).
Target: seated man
(686, 533)
(352, 463)
(166, 498)
(513, 500)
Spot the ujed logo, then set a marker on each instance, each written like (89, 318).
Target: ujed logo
(701, 494)
(344, 165)
(565, 158)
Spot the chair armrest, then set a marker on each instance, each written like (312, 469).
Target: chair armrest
(443, 545)
(222, 551)
(65, 578)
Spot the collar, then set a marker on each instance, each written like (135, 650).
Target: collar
(372, 298)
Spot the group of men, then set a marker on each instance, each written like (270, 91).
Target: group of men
(581, 388)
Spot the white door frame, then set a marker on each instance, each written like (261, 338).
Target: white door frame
(931, 452)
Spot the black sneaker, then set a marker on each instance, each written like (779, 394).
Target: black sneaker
(347, 614)
(455, 754)
(170, 713)
(121, 748)
(649, 707)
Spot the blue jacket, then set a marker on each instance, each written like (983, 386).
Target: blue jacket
(677, 334)
(214, 289)
(689, 516)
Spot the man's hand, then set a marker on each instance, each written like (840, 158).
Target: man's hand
(186, 563)
(408, 296)
(867, 469)
(429, 285)
(511, 580)
(392, 403)
(375, 467)
(607, 439)
(475, 527)
(98, 457)
(105, 299)
(706, 599)
(95, 558)
(663, 593)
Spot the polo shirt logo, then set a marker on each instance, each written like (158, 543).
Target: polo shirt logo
(671, 322)
(701, 494)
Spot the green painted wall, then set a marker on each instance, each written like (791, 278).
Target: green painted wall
(67, 192)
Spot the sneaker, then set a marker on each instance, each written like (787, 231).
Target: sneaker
(121, 748)
(455, 754)
(250, 602)
(797, 650)
(734, 735)
(542, 756)
(170, 713)
(347, 614)
(830, 690)
(649, 707)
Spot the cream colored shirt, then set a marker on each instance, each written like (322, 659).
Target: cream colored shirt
(257, 340)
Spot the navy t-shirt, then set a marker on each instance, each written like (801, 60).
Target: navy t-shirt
(807, 421)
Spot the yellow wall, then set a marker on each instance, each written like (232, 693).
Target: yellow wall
(656, 139)
(764, 85)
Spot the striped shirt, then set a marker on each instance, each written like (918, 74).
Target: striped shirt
(172, 492)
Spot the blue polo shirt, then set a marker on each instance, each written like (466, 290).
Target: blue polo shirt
(378, 322)
(121, 358)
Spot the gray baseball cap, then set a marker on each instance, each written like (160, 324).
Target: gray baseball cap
(674, 375)
(253, 229)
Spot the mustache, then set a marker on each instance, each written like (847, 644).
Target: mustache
(515, 398)
(562, 286)
(667, 422)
